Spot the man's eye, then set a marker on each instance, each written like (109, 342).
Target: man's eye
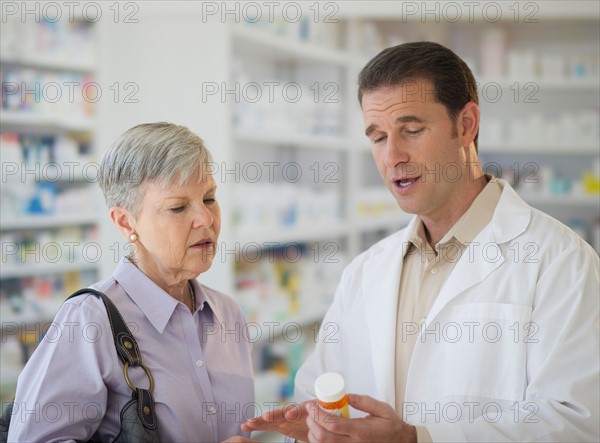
(178, 209)
(379, 139)
(210, 201)
(414, 132)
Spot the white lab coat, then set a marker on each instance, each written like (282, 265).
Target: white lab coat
(510, 348)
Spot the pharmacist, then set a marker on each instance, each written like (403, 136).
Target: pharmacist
(479, 321)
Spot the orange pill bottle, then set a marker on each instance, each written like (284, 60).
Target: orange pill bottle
(330, 389)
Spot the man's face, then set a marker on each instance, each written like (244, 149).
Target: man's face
(415, 146)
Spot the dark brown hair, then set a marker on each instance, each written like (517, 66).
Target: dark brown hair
(452, 79)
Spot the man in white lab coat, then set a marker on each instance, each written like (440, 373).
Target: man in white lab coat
(479, 321)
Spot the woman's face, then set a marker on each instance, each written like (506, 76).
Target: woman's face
(177, 229)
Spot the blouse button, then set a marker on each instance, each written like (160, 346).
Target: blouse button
(199, 363)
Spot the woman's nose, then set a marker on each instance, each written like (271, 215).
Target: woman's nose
(203, 217)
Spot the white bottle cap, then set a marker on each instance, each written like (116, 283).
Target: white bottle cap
(330, 387)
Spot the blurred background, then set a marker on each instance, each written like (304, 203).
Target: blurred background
(271, 88)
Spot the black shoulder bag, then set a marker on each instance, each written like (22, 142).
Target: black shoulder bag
(138, 416)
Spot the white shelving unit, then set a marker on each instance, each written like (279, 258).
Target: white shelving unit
(254, 44)
(26, 272)
(250, 39)
(304, 141)
(38, 123)
(49, 62)
(559, 84)
(584, 201)
(47, 221)
(297, 234)
(45, 268)
(549, 149)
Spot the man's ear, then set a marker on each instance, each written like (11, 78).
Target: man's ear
(123, 220)
(468, 123)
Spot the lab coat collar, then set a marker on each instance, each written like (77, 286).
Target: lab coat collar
(512, 215)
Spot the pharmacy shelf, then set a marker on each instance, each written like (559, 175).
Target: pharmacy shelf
(30, 307)
(9, 376)
(31, 121)
(504, 11)
(47, 221)
(8, 381)
(271, 330)
(552, 149)
(38, 313)
(293, 234)
(586, 201)
(296, 140)
(250, 40)
(569, 84)
(29, 270)
(84, 171)
(383, 221)
(48, 62)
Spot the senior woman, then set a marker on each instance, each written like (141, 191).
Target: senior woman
(162, 199)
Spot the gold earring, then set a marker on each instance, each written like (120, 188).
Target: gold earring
(133, 237)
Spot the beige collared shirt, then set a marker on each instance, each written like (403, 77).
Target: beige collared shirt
(424, 273)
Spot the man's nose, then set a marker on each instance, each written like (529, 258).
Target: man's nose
(395, 154)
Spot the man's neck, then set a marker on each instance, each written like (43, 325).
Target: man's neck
(437, 227)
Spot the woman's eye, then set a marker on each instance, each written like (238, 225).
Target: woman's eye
(209, 201)
(178, 209)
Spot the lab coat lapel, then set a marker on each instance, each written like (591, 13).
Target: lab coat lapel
(381, 283)
(484, 255)
(471, 269)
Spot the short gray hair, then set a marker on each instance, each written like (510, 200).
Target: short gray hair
(161, 153)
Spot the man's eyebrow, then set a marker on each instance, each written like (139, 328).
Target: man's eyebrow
(370, 129)
(409, 119)
(402, 119)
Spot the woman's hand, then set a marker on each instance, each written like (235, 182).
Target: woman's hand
(238, 439)
(289, 421)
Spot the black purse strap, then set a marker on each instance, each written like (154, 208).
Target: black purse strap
(130, 355)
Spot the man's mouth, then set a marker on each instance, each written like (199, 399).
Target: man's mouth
(405, 182)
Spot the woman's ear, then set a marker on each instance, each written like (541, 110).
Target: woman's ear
(468, 124)
(123, 220)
